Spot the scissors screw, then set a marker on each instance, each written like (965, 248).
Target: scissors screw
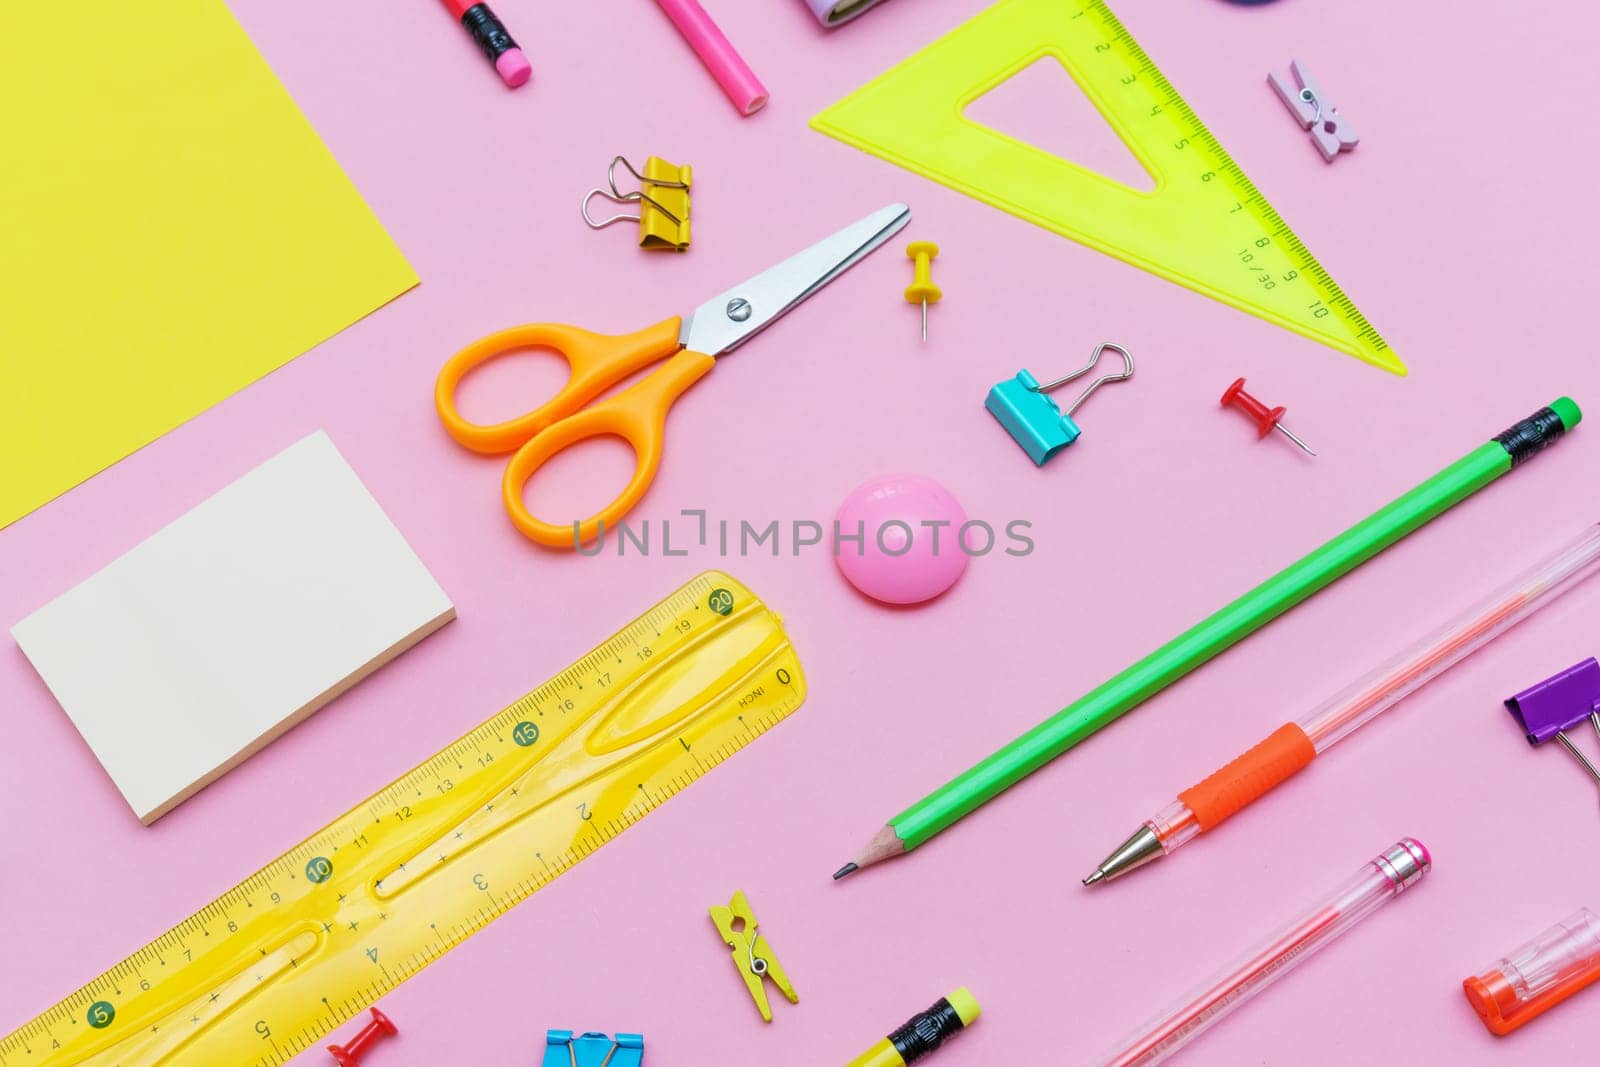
(738, 309)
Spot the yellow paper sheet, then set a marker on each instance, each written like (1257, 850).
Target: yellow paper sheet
(171, 229)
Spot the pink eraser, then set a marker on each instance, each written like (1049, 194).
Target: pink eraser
(514, 67)
(898, 539)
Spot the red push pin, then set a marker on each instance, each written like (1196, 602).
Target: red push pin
(350, 1055)
(1265, 418)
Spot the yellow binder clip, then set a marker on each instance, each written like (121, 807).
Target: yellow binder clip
(663, 199)
(751, 953)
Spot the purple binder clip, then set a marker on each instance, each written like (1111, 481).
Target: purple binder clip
(1557, 704)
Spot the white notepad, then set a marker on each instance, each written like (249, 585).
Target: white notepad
(232, 624)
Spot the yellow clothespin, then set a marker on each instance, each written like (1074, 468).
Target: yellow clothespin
(751, 953)
(663, 199)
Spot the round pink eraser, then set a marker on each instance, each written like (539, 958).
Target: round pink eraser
(514, 67)
(897, 539)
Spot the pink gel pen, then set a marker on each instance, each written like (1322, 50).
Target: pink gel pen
(1374, 885)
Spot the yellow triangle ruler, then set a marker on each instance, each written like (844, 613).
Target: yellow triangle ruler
(1204, 225)
(270, 968)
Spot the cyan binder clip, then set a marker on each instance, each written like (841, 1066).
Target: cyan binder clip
(592, 1049)
(1033, 420)
(1559, 703)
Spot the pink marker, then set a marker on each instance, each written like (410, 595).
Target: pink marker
(495, 40)
(738, 81)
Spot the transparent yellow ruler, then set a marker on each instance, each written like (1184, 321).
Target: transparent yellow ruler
(1204, 225)
(271, 967)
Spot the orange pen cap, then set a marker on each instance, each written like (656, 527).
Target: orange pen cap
(1539, 975)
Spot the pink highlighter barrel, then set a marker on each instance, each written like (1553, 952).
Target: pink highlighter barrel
(494, 39)
(738, 82)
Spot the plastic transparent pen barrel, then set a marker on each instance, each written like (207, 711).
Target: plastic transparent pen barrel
(1378, 691)
(1378, 882)
(1522, 986)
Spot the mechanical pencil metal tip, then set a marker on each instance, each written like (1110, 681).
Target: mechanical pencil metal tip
(1141, 847)
(849, 868)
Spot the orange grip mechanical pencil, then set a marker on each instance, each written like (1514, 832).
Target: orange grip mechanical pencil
(1290, 748)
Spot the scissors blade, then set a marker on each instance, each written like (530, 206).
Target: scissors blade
(731, 318)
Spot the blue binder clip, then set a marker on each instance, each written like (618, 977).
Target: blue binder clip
(1033, 420)
(592, 1049)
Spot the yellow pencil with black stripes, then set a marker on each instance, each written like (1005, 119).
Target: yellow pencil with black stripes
(922, 1033)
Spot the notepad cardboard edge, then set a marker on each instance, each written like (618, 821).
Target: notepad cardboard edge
(294, 719)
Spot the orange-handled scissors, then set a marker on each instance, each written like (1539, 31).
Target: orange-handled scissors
(638, 414)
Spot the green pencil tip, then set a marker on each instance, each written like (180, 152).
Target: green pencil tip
(1569, 411)
(848, 868)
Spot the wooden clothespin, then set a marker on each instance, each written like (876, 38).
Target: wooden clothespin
(663, 199)
(1331, 132)
(751, 953)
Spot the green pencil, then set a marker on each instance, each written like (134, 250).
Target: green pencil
(1122, 693)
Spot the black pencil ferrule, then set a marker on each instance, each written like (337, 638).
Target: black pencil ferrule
(926, 1031)
(1532, 435)
(490, 33)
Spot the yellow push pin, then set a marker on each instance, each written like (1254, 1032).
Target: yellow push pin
(922, 290)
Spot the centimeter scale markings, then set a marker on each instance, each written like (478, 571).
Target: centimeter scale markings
(1269, 252)
(274, 965)
(1205, 225)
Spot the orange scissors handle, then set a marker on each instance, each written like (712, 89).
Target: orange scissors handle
(596, 361)
(638, 415)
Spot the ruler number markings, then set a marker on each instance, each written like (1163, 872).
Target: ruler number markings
(462, 789)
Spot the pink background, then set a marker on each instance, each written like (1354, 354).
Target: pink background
(1456, 226)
